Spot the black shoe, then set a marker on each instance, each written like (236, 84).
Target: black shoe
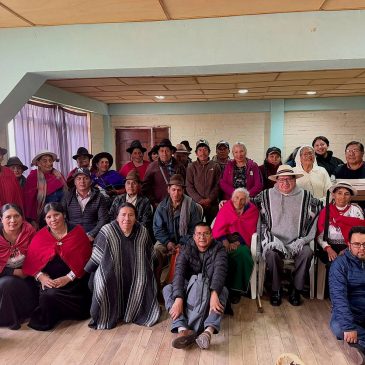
(275, 298)
(294, 297)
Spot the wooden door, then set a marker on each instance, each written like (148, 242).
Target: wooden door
(149, 136)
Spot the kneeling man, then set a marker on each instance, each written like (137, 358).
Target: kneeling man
(195, 308)
(347, 290)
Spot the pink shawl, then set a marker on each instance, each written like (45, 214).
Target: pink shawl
(228, 222)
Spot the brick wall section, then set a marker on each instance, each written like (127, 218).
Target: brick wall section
(339, 127)
(249, 128)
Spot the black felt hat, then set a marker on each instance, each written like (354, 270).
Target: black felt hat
(167, 143)
(82, 151)
(101, 155)
(136, 144)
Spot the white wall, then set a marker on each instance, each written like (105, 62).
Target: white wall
(339, 127)
(250, 128)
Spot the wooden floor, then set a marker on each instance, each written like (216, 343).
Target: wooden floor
(248, 338)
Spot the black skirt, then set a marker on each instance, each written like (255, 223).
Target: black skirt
(18, 298)
(72, 301)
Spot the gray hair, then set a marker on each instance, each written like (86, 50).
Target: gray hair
(242, 190)
(239, 144)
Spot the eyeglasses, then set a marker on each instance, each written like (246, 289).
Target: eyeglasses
(284, 181)
(358, 244)
(202, 234)
(353, 151)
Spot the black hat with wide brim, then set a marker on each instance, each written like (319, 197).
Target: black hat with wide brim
(167, 143)
(136, 144)
(101, 155)
(15, 161)
(82, 151)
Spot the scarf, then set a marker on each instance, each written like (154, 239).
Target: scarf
(74, 250)
(338, 220)
(185, 215)
(228, 222)
(57, 183)
(21, 244)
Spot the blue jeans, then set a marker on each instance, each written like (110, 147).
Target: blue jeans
(213, 319)
(358, 327)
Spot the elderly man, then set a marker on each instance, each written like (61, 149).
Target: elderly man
(133, 196)
(288, 224)
(182, 155)
(354, 168)
(202, 180)
(82, 158)
(203, 256)
(347, 290)
(84, 205)
(159, 173)
(222, 154)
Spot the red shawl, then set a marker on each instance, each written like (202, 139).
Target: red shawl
(228, 221)
(75, 251)
(339, 221)
(10, 190)
(21, 244)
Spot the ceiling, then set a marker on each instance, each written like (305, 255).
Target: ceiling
(283, 85)
(28, 13)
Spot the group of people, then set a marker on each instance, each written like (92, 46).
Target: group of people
(95, 243)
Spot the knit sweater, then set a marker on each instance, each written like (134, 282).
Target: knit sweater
(317, 181)
(288, 221)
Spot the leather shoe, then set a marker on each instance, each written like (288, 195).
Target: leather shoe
(184, 339)
(275, 298)
(294, 297)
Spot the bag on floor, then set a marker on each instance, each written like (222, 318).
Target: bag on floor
(198, 301)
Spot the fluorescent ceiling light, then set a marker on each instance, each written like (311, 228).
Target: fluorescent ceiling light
(243, 91)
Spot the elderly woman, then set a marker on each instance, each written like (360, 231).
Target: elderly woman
(17, 295)
(325, 157)
(341, 215)
(235, 224)
(124, 285)
(136, 151)
(241, 172)
(44, 185)
(270, 166)
(315, 179)
(56, 258)
(109, 182)
(18, 168)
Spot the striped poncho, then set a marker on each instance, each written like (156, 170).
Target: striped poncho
(288, 221)
(124, 286)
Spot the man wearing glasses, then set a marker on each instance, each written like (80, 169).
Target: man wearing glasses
(205, 256)
(288, 224)
(354, 167)
(347, 290)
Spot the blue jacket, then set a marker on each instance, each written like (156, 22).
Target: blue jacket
(347, 289)
(166, 223)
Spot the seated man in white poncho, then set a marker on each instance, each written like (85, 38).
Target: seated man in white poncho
(288, 224)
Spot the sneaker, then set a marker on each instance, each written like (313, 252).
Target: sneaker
(184, 339)
(203, 340)
(354, 352)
